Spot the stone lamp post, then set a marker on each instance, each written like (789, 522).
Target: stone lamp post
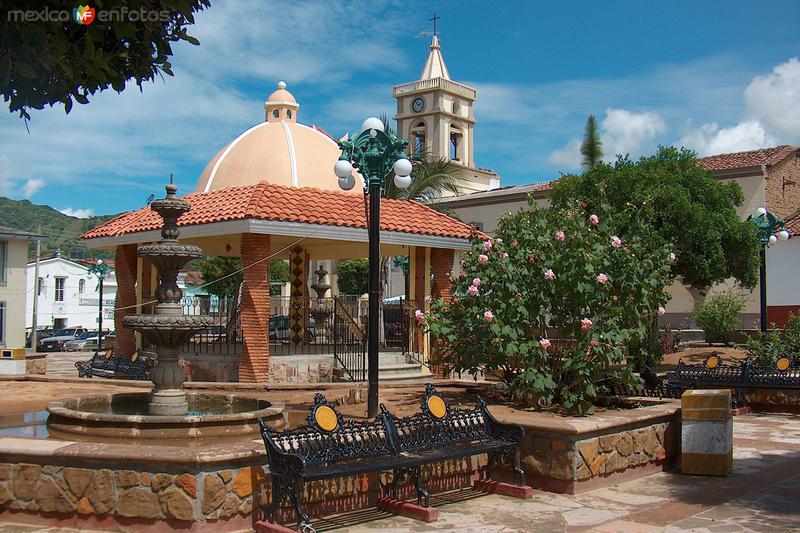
(168, 329)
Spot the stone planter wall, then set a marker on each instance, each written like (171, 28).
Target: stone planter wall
(569, 455)
(773, 400)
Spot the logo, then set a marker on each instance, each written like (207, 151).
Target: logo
(83, 15)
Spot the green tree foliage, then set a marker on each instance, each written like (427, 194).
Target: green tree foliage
(592, 146)
(353, 276)
(683, 205)
(50, 62)
(718, 315)
(552, 303)
(227, 271)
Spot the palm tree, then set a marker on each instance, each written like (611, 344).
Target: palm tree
(592, 147)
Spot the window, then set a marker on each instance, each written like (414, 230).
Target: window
(275, 113)
(3, 322)
(455, 141)
(288, 113)
(3, 253)
(40, 289)
(59, 294)
(81, 286)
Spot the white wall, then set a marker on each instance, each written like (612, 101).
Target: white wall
(78, 308)
(783, 272)
(13, 293)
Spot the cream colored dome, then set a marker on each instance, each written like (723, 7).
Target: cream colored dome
(278, 151)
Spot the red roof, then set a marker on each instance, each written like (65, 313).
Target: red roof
(265, 201)
(793, 225)
(751, 158)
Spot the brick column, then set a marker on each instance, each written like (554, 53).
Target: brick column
(254, 363)
(441, 268)
(125, 270)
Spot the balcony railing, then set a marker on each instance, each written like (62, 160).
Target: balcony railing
(95, 301)
(435, 83)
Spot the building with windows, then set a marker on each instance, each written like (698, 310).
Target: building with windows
(67, 296)
(13, 257)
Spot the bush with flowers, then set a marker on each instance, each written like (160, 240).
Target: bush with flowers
(552, 304)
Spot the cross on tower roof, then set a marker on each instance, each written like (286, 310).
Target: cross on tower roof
(434, 19)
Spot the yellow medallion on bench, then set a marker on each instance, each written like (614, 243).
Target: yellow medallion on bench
(326, 419)
(783, 364)
(436, 407)
(713, 361)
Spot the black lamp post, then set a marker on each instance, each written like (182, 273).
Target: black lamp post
(101, 270)
(768, 225)
(374, 153)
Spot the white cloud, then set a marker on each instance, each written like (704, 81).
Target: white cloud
(710, 139)
(774, 100)
(32, 186)
(77, 213)
(621, 131)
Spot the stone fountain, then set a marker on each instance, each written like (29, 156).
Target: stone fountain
(167, 413)
(168, 328)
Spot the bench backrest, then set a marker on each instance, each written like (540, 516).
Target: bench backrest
(327, 437)
(439, 424)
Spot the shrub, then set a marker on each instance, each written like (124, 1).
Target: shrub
(771, 345)
(718, 315)
(353, 276)
(551, 303)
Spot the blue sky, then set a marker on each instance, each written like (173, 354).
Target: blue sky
(713, 76)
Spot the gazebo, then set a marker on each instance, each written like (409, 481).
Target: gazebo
(271, 194)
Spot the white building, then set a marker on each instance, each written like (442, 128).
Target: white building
(13, 255)
(67, 296)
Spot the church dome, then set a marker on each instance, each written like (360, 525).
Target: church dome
(279, 150)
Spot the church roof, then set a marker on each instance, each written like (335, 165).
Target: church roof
(434, 66)
(750, 158)
(270, 202)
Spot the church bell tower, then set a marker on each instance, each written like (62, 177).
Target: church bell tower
(434, 114)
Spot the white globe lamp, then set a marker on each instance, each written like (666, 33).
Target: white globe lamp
(773, 239)
(402, 182)
(348, 182)
(372, 123)
(402, 167)
(783, 235)
(761, 211)
(342, 168)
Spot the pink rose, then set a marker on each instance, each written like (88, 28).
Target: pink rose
(544, 343)
(504, 255)
(594, 220)
(586, 324)
(560, 235)
(420, 316)
(602, 279)
(593, 342)
(483, 259)
(498, 240)
(661, 310)
(462, 263)
(672, 257)
(473, 290)
(615, 297)
(616, 242)
(476, 282)
(488, 316)
(518, 296)
(531, 260)
(427, 299)
(487, 245)
(549, 275)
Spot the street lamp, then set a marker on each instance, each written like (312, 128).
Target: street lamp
(374, 153)
(101, 270)
(768, 225)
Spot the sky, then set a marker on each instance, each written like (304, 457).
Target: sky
(713, 76)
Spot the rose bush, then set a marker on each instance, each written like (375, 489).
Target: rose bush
(551, 303)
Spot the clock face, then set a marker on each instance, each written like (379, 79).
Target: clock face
(418, 105)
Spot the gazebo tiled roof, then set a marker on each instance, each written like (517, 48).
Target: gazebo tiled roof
(265, 201)
(750, 158)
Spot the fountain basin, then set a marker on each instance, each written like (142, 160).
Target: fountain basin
(125, 416)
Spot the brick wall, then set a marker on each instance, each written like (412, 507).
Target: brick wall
(125, 269)
(254, 363)
(441, 268)
(783, 186)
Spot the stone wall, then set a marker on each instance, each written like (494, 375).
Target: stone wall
(773, 400)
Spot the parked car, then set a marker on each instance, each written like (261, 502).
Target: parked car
(279, 328)
(87, 341)
(41, 333)
(55, 343)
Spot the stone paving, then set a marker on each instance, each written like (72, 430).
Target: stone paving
(762, 494)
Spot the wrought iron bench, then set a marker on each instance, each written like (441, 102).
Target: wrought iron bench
(713, 373)
(110, 367)
(329, 446)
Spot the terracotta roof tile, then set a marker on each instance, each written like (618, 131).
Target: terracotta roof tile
(266, 201)
(793, 225)
(751, 158)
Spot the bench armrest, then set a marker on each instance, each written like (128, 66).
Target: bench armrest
(280, 461)
(507, 432)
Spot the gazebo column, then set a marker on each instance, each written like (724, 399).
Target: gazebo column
(254, 362)
(419, 288)
(441, 270)
(125, 266)
(298, 301)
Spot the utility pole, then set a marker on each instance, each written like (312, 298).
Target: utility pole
(35, 324)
